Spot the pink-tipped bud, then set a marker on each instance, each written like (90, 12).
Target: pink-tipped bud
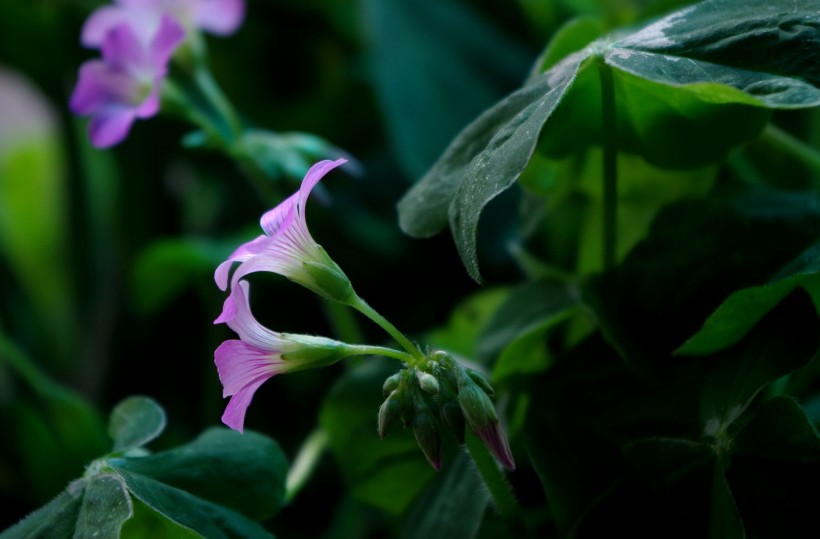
(480, 415)
(389, 413)
(426, 431)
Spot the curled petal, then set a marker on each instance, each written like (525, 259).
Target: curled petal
(281, 217)
(234, 415)
(316, 173)
(100, 23)
(246, 326)
(242, 253)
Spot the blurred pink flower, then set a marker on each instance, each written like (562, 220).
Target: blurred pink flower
(221, 17)
(125, 84)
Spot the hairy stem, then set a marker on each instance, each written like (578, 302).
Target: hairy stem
(498, 487)
(360, 305)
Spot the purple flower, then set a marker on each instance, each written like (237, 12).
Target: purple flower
(125, 84)
(287, 247)
(221, 17)
(260, 354)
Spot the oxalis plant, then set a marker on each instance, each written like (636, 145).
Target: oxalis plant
(650, 370)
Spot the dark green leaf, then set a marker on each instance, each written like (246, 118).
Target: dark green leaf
(135, 422)
(744, 308)
(662, 461)
(106, 507)
(203, 517)
(424, 209)
(388, 473)
(54, 520)
(779, 430)
(245, 472)
(725, 521)
(461, 332)
(784, 341)
(452, 507)
(572, 37)
(148, 523)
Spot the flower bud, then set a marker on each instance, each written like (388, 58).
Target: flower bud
(391, 383)
(453, 418)
(479, 379)
(480, 415)
(424, 427)
(389, 412)
(427, 382)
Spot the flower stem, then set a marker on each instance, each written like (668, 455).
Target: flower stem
(304, 463)
(795, 147)
(213, 93)
(368, 350)
(610, 165)
(360, 305)
(498, 487)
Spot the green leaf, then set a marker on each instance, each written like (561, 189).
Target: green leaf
(744, 308)
(452, 507)
(424, 210)
(572, 37)
(662, 461)
(388, 473)
(245, 472)
(135, 422)
(724, 521)
(779, 430)
(200, 516)
(784, 341)
(687, 91)
(55, 520)
(148, 523)
(106, 506)
(435, 66)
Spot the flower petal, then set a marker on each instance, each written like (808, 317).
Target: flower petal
(493, 437)
(168, 37)
(239, 365)
(279, 217)
(242, 253)
(111, 126)
(98, 86)
(246, 326)
(122, 50)
(316, 173)
(234, 415)
(220, 17)
(100, 22)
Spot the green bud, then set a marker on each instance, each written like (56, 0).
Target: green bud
(482, 382)
(327, 280)
(427, 382)
(427, 436)
(477, 407)
(453, 418)
(389, 412)
(391, 383)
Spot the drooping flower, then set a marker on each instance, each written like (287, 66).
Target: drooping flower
(287, 247)
(125, 84)
(220, 17)
(244, 364)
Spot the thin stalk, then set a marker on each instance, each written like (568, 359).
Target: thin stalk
(610, 164)
(798, 149)
(499, 489)
(368, 350)
(305, 463)
(22, 364)
(213, 93)
(360, 305)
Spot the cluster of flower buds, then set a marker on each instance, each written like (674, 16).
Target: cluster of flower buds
(443, 392)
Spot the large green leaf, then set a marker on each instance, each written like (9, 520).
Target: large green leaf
(245, 472)
(205, 518)
(453, 506)
(55, 520)
(687, 90)
(106, 506)
(741, 310)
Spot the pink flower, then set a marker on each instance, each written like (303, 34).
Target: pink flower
(125, 84)
(287, 247)
(221, 17)
(260, 354)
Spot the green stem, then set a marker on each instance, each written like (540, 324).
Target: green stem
(798, 149)
(360, 305)
(305, 463)
(610, 165)
(20, 362)
(368, 350)
(213, 93)
(498, 487)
